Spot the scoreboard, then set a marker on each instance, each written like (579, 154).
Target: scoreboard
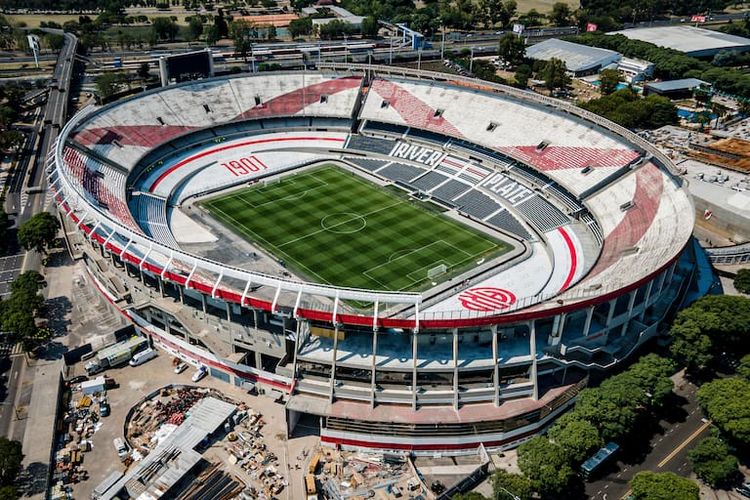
(184, 67)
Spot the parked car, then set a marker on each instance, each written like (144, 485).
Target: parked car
(104, 409)
(180, 368)
(199, 374)
(77, 380)
(142, 357)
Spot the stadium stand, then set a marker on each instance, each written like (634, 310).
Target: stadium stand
(429, 181)
(541, 213)
(101, 184)
(477, 204)
(507, 222)
(371, 144)
(400, 172)
(450, 190)
(151, 214)
(370, 164)
(568, 145)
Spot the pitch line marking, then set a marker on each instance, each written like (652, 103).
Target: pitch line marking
(354, 217)
(364, 216)
(241, 227)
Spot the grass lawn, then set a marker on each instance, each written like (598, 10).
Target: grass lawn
(332, 226)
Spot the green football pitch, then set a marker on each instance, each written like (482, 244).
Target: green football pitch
(331, 226)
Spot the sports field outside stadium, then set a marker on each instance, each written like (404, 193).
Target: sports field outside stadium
(331, 226)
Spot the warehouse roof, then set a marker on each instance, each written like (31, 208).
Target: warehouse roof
(577, 58)
(675, 85)
(687, 39)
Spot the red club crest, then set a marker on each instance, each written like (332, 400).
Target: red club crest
(486, 299)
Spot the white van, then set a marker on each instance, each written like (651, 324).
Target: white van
(142, 357)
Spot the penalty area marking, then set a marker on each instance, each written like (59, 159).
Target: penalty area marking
(339, 227)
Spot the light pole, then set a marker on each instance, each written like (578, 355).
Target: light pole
(419, 59)
(442, 44)
(390, 52)
(471, 61)
(346, 50)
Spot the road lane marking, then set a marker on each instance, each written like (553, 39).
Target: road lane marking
(687, 441)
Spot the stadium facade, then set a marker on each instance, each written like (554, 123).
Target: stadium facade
(599, 221)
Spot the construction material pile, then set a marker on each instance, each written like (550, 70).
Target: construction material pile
(248, 452)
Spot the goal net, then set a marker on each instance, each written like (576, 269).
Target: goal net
(437, 271)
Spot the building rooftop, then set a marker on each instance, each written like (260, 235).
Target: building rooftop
(577, 58)
(675, 85)
(687, 39)
(175, 455)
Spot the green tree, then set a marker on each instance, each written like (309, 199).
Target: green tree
(212, 35)
(300, 27)
(370, 27)
(726, 403)
(38, 232)
(165, 28)
(578, 438)
(11, 140)
(743, 370)
(652, 374)
(742, 281)
(511, 49)
(195, 27)
(522, 76)
(555, 74)
(7, 37)
(546, 465)
(471, 495)
(54, 41)
(221, 24)
(28, 283)
(611, 413)
(11, 458)
(240, 33)
(143, 70)
(609, 79)
(712, 325)
(713, 463)
(648, 485)
(561, 14)
(336, 29)
(506, 486)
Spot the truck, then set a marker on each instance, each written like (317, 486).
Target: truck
(115, 355)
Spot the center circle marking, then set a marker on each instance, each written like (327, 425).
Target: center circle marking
(343, 223)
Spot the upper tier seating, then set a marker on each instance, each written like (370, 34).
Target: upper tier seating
(101, 184)
(560, 145)
(124, 131)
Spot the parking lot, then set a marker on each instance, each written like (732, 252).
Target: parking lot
(136, 383)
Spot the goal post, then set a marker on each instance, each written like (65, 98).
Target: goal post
(436, 271)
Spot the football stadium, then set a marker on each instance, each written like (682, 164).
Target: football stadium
(411, 261)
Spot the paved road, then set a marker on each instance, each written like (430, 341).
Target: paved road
(8, 406)
(668, 449)
(55, 114)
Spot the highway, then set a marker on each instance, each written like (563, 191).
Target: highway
(32, 169)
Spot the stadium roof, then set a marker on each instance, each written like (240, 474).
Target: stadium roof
(688, 39)
(578, 58)
(675, 85)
